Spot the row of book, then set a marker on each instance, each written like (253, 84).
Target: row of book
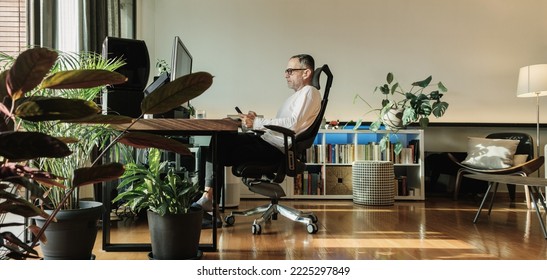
(308, 183)
(348, 153)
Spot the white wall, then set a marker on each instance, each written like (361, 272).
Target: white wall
(475, 47)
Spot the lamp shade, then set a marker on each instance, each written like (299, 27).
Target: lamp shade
(532, 81)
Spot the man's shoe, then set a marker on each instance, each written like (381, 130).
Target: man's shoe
(207, 221)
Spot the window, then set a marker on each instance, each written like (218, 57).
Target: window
(13, 31)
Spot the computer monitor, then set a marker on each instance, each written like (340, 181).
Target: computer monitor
(181, 65)
(181, 60)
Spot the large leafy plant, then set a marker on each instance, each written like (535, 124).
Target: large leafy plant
(157, 187)
(415, 105)
(30, 71)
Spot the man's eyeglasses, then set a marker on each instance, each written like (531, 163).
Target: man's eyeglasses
(289, 71)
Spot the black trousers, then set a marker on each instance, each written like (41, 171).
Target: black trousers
(234, 149)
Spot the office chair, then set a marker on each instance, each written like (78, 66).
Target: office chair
(525, 147)
(264, 177)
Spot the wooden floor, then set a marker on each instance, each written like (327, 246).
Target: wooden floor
(436, 229)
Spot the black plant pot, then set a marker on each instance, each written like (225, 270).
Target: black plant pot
(73, 236)
(175, 237)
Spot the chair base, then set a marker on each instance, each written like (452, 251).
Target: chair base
(270, 212)
(537, 197)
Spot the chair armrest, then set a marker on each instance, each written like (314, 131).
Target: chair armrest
(293, 165)
(528, 167)
(283, 130)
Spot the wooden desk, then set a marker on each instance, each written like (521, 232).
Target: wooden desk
(173, 127)
(532, 183)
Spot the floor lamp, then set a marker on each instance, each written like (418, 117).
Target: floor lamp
(533, 83)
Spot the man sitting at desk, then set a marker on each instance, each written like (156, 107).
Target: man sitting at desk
(297, 113)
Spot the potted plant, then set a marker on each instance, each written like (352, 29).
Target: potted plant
(17, 147)
(167, 195)
(22, 80)
(400, 107)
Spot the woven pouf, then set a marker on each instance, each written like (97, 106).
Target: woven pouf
(373, 182)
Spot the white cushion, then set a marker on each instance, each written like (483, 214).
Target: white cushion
(485, 153)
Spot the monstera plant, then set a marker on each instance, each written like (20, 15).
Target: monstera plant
(25, 83)
(401, 107)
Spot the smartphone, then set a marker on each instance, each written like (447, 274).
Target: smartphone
(238, 110)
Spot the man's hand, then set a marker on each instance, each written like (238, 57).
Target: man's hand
(248, 119)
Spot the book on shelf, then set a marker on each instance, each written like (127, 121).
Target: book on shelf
(402, 187)
(310, 182)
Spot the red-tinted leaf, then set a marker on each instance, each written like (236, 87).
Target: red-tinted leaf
(28, 70)
(175, 93)
(19, 146)
(97, 174)
(83, 78)
(147, 140)
(56, 108)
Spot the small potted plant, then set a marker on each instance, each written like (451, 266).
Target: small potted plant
(167, 195)
(401, 107)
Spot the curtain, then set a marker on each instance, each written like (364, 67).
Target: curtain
(50, 23)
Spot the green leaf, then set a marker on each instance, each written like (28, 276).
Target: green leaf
(147, 140)
(441, 87)
(409, 116)
(175, 93)
(374, 126)
(97, 174)
(389, 78)
(423, 83)
(55, 108)
(83, 78)
(19, 146)
(439, 108)
(394, 88)
(28, 70)
(424, 122)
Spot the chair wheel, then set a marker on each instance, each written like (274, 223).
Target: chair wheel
(313, 218)
(256, 229)
(230, 220)
(312, 228)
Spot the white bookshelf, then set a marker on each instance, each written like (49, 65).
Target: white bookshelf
(334, 151)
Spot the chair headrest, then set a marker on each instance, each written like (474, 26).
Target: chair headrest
(317, 75)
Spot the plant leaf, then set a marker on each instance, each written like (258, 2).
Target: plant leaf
(19, 146)
(423, 83)
(12, 238)
(389, 78)
(3, 88)
(424, 122)
(147, 140)
(28, 70)
(34, 189)
(441, 87)
(175, 93)
(55, 108)
(102, 119)
(97, 174)
(83, 78)
(20, 206)
(439, 108)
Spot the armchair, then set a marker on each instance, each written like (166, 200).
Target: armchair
(264, 177)
(524, 147)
